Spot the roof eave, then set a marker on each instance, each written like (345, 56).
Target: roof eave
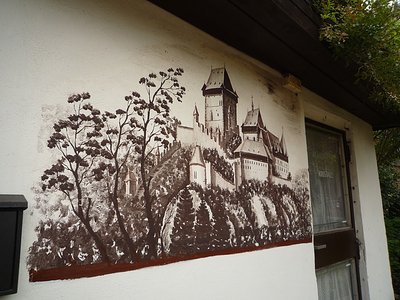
(288, 41)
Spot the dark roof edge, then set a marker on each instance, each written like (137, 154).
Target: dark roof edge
(286, 40)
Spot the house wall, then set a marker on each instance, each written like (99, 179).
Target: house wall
(367, 203)
(51, 49)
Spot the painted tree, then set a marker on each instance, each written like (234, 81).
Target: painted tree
(61, 244)
(72, 172)
(234, 141)
(183, 235)
(220, 237)
(301, 196)
(154, 127)
(105, 142)
(114, 143)
(95, 146)
(203, 228)
(168, 180)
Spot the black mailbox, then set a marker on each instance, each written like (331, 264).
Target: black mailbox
(11, 209)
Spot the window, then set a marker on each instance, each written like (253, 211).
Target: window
(335, 243)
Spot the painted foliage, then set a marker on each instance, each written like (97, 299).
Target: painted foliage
(135, 187)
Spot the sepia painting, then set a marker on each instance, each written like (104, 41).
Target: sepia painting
(137, 187)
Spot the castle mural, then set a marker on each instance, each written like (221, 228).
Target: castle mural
(260, 154)
(136, 187)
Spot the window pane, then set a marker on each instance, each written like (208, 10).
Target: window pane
(337, 282)
(326, 167)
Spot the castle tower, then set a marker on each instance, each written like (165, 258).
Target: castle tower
(157, 157)
(283, 144)
(253, 124)
(130, 183)
(197, 168)
(195, 116)
(220, 103)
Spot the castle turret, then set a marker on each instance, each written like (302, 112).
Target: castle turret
(252, 125)
(197, 167)
(283, 144)
(195, 116)
(130, 183)
(157, 158)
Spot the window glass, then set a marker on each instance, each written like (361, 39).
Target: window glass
(327, 179)
(337, 282)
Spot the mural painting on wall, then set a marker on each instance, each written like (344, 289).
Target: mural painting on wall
(135, 187)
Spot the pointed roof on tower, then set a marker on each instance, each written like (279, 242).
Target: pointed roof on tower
(195, 111)
(197, 158)
(257, 148)
(253, 118)
(283, 144)
(130, 176)
(217, 81)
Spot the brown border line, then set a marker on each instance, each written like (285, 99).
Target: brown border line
(79, 271)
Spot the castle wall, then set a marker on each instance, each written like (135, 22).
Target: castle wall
(185, 135)
(207, 138)
(200, 135)
(282, 168)
(208, 173)
(198, 175)
(253, 169)
(218, 180)
(238, 173)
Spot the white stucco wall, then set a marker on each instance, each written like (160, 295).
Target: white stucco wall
(367, 203)
(51, 49)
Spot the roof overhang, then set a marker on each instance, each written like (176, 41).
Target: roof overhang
(284, 35)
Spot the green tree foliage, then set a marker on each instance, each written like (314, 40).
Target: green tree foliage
(390, 188)
(393, 236)
(389, 177)
(366, 34)
(387, 145)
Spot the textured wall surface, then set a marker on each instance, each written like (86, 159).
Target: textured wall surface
(52, 49)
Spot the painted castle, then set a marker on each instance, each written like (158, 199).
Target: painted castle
(260, 155)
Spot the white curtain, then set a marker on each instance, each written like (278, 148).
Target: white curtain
(326, 179)
(335, 282)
